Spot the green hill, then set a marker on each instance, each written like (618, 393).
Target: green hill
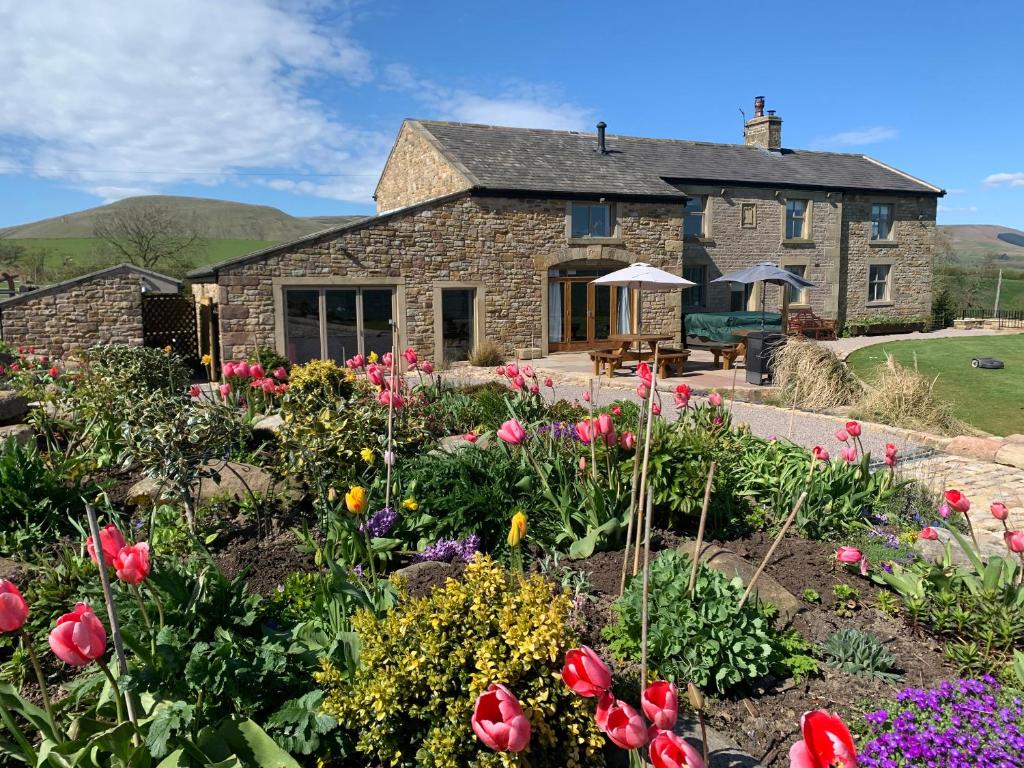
(984, 245)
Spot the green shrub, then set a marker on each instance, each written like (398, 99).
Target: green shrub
(706, 640)
(110, 368)
(423, 665)
(859, 653)
(486, 354)
(270, 359)
(317, 383)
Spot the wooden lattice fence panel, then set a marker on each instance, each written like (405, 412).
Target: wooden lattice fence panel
(170, 320)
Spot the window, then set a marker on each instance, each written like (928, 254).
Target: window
(881, 222)
(739, 296)
(748, 214)
(796, 295)
(878, 282)
(694, 296)
(796, 220)
(591, 220)
(337, 323)
(693, 217)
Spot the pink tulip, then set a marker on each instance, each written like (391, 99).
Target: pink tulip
(518, 382)
(715, 399)
(999, 510)
(582, 463)
(585, 673)
(268, 386)
(819, 453)
(890, 449)
(470, 437)
(427, 367)
(512, 370)
(498, 720)
(388, 360)
(534, 389)
(848, 454)
(864, 567)
(842, 435)
(641, 391)
(671, 751)
(355, 362)
(512, 432)
(656, 409)
(624, 725)
(958, 501)
(256, 371)
(585, 431)
(388, 398)
(194, 391)
(375, 374)
(111, 541)
(683, 394)
(627, 440)
(1014, 541)
(79, 637)
(616, 410)
(132, 563)
(227, 370)
(853, 427)
(944, 510)
(826, 744)
(928, 534)
(13, 608)
(501, 370)
(528, 371)
(549, 383)
(225, 390)
(660, 703)
(242, 370)
(586, 397)
(605, 424)
(849, 555)
(643, 370)
(410, 356)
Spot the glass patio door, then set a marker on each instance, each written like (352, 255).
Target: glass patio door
(581, 314)
(337, 323)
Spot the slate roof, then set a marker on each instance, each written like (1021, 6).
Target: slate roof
(566, 162)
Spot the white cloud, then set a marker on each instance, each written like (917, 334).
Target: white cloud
(1010, 179)
(958, 209)
(108, 95)
(956, 191)
(113, 194)
(859, 137)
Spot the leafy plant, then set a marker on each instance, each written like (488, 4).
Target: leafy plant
(706, 639)
(317, 383)
(486, 354)
(424, 663)
(811, 596)
(859, 653)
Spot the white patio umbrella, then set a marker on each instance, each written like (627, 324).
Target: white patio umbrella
(643, 277)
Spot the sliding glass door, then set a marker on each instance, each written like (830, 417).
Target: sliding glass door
(337, 323)
(582, 315)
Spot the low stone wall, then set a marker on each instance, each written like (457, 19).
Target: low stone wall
(105, 308)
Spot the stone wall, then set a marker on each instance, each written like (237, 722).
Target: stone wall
(415, 171)
(106, 309)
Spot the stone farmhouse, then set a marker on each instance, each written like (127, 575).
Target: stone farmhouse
(490, 232)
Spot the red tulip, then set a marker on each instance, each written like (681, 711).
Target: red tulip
(958, 501)
(684, 392)
(643, 370)
(585, 431)
(671, 751)
(627, 440)
(585, 673)
(549, 383)
(54, 372)
(1014, 541)
(280, 373)
(826, 744)
(79, 637)
(195, 391)
(13, 608)
(849, 555)
(111, 541)
(256, 371)
(819, 453)
(660, 703)
(512, 432)
(499, 722)
(928, 534)
(842, 435)
(410, 356)
(853, 427)
(999, 510)
(427, 367)
(132, 563)
(470, 437)
(623, 725)
(616, 410)
(715, 399)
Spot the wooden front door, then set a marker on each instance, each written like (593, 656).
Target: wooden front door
(581, 315)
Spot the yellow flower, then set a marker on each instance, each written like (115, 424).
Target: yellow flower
(372, 357)
(411, 504)
(355, 499)
(367, 455)
(332, 495)
(207, 359)
(518, 529)
(168, 349)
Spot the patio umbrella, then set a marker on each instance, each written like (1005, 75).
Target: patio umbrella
(643, 277)
(766, 272)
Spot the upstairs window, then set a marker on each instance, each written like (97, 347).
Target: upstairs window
(591, 220)
(693, 217)
(881, 222)
(796, 219)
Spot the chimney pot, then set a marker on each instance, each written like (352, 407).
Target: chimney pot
(763, 130)
(600, 137)
(759, 106)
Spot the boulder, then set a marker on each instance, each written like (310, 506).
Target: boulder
(980, 448)
(13, 407)
(1011, 454)
(233, 480)
(934, 550)
(421, 578)
(454, 443)
(22, 434)
(1016, 439)
(767, 589)
(268, 426)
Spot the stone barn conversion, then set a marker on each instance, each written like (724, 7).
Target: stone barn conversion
(489, 232)
(104, 307)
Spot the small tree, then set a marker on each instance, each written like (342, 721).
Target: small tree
(148, 235)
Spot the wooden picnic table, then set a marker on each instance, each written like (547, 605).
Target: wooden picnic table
(638, 340)
(623, 350)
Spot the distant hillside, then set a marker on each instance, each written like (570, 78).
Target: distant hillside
(215, 220)
(973, 244)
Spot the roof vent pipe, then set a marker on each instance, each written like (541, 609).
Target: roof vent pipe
(600, 138)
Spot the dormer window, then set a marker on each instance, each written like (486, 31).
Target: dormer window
(591, 220)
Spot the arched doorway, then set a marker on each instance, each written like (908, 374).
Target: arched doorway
(582, 315)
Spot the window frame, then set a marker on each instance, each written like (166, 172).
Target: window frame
(803, 299)
(805, 230)
(704, 233)
(702, 284)
(744, 207)
(892, 224)
(613, 222)
(321, 291)
(479, 312)
(889, 288)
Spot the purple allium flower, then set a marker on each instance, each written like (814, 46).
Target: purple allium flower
(382, 521)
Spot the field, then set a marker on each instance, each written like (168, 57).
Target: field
(987, 399)
(980, 290)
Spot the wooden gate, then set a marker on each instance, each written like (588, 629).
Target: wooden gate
(169, 320)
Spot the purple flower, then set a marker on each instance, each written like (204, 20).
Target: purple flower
(447, 550)
(382, 521)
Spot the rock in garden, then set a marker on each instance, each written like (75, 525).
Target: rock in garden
(22, 434)
(934, 550)
(268, 426)
(13, 407)
(234, 480)
(981, 448)
(454, 443)
(767, 589)
(1011, 454)
(421, 578)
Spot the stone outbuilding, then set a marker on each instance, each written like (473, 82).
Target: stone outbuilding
(103, 307)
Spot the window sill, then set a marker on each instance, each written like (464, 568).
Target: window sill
(801, 305)
(596, 241)
(797, 241)
(883, 243)
(889, 303)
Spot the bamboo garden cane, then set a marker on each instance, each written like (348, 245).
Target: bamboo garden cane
(645, 614)
(647, 457)
(593, 429)
(700, 529)
(632, 504)
(389, 455)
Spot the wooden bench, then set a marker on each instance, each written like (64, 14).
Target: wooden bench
(609, 357)
(726, 352)
(806, 323)
(675, 359)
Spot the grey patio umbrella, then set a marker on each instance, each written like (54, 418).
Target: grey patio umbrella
(643, 277)
(765, 272)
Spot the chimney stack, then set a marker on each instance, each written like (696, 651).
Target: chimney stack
(763, 130)
(600, 137)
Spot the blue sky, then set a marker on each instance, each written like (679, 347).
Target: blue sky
(294, 103)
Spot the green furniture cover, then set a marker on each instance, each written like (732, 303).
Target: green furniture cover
(719, 326)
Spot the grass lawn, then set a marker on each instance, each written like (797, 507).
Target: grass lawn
(992, 400)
